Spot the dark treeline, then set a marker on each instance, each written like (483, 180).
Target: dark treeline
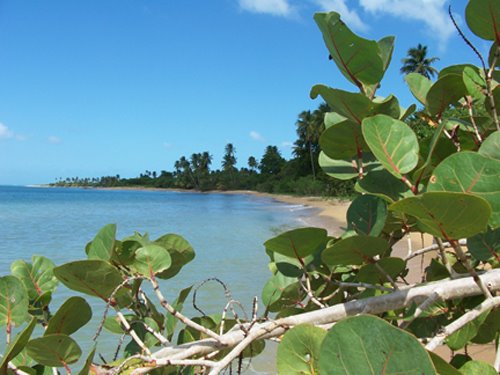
(271, 173)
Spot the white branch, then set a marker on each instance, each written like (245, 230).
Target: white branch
(462, 321)
(448, 289)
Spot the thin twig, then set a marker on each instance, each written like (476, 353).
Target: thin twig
(227, 292)
(178, 315)
(309, 293)
(163, 341)
(432, 247)
(15, 370)
(131, 332)
(462, 321)
(434, 297)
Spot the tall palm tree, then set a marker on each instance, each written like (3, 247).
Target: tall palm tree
(418, 62)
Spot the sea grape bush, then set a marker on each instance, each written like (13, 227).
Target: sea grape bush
(338, 305)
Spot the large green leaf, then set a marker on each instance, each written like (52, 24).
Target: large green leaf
(56, 350)
(393, 143)
(471, 173)
(419, 86)
(342, 140)
(275, 287)
(485, 246)
(298, 243)
(95, 277)
(103, 243)
(491, 146)
(13, 301)
(353, 106)
(490, 328)
(383, 184)
(37, 277)
(88, 363)
(483, 18)
(74, 313)
(298, 352)
(366, 215)
(181, 252)
(477, 368)
(178, 305)
(387, 106)
(443, 367)
(447, 215)
(369, 345)
(458, 339)
(355, 250)
(17, 345)
(150, 260)
(474, 83)
(446, 90)
(358, 59)
(371, 274)
(347, 169)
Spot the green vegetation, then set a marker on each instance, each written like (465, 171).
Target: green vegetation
(271, 173)
(338, 305)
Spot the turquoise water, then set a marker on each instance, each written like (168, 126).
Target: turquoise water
(226, 231)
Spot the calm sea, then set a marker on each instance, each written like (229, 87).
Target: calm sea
(226, 231)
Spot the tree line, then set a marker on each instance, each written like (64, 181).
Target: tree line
(272, 173)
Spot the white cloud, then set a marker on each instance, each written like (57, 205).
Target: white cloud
(432, 13)
(274, 7)
(256, 136)
(53, 139)
(348, 14)
(5, 132)
(287, 144)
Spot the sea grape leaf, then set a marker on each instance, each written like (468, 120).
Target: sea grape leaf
(17, 345)
(355, 250)
(477, 367)
(455, 69)
(443, 367)
(447, 215)
(74, 313)
(384, 185)
(474, 83)
(13, 301)
(342, 140)
(419, 86)
(471, 173)
(298, 352)
(405, 113)
(103, 243)
(366, 215)
(94, 277)
(275, 287)
(393, 143)
(491, 146)
(366, 344)
(483, 18)
(347, 169)
(371, 274)
(332, 118)
(387, 106)
(458, 339)
(353, 106)
(288, 266)
(358, 59)
(491, 57)
(298, 243)
(56, 350)
(150, 260)
(180, 250)
(37, 277)
(485, 246)
(490, 328)
(445, 91)
(386, 46)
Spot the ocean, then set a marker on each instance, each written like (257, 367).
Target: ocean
(227, 232)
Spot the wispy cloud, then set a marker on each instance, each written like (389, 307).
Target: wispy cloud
(6, 133)
(432, 13)
(167, 145)
(281, 8)
(54, 140)
(256, 136)
(287, 144)
(349, 15)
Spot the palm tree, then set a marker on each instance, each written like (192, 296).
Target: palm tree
(418, 62)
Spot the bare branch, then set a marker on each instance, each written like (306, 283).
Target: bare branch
(462, 321)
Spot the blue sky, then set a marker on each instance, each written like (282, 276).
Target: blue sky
(92, 88)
